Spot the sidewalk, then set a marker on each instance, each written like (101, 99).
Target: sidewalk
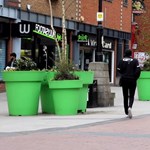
(93, 115)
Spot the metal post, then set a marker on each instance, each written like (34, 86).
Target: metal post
(99, 53)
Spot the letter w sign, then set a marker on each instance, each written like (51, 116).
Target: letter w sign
(22, 30)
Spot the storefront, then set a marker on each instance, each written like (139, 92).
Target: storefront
(109, 56)
(4, 33)
(37, 42)
(2, 56)
(87, 53)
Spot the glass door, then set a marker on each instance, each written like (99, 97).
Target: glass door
(108, 57)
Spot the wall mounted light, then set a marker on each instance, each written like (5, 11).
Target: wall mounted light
(28, 7)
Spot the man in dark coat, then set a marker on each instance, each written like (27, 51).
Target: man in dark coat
(130, 70)
(12, 62)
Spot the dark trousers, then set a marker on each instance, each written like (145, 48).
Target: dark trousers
(128, 89)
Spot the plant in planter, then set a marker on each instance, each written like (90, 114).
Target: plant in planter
(144, 81)
(61, 72)
(146, 66)
(47, 104)
(65, 86)
(23, 85)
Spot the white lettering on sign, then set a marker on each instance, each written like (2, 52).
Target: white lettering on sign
(91, 42)
(43, 30)
(24, 28)
(107, 45)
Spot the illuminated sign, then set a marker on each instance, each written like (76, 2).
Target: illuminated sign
(44, 31)
(22, 30)
(100, 16)
(81, 37)
(27, 29)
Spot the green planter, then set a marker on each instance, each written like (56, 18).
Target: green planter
(47, 103)
(23, 90)
(143, 86)
(65, 94)
(87, 78)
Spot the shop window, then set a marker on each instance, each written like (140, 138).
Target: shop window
(125, 2)
(26, 47)
(2, 56)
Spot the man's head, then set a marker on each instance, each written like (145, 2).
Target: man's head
(13, 56)
(128, 53)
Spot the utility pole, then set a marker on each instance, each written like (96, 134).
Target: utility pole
(99, 53)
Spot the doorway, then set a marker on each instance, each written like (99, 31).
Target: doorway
(108, 57)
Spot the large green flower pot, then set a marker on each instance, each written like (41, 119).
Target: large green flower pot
(143, 86)
(23, 90)
(47, 103)
(87, 78)
(65, 94)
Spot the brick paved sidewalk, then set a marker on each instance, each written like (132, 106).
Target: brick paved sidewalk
(41, 121)
(123, 134)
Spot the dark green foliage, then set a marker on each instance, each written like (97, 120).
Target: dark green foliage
(64, 71)
(65, 76)
(146, 66)
(25, 64)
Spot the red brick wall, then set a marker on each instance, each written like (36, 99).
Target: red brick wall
(86, 10)
(143, 37)
(43, 7)
(112, 14)
(89, 10)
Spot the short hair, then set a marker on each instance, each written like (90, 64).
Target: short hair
(13, 54)
(128, 53)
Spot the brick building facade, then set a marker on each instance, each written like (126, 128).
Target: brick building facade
(80, 19)
(117, 15)
(143, 28)
(140, 30)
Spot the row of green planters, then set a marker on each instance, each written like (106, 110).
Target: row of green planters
(143, 83)
(143, 86)
(60, 97)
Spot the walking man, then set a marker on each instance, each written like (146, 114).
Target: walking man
(130, 71)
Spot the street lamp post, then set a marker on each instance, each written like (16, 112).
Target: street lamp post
(99, 54)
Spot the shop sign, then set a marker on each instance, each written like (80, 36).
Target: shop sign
(106, 43)
(100, 16)
(59, 37)
(44, 31)
(22, 30)
(91, 42)
(82, 38)
(141, 56)
(138, 7)
(26, 30)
